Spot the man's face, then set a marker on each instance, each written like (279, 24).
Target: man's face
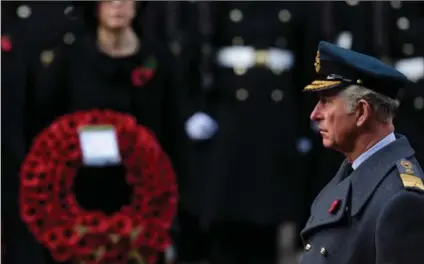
(336, 125)
(116, 14)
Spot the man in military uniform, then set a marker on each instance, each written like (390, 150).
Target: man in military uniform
(351, 24)
(247, 177)
(371, 211)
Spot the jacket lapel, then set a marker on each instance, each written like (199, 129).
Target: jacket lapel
(329, 206)
(364, 180)
(369, 174)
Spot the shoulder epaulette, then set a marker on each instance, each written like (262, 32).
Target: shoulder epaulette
(408, 175)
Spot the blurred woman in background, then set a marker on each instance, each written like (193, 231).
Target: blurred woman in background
(114, 64)
(109, 66)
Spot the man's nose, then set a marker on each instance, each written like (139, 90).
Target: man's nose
(315, 114)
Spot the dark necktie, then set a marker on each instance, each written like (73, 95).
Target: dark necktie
(347, 171)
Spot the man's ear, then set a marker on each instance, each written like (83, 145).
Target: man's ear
(363, 112)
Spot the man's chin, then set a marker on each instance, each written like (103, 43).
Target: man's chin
(327, 143)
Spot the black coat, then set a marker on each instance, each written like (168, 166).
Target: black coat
(28, 27)
(249, 170)
(20, 245)
(374, 216)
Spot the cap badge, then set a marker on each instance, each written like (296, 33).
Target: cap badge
(317, 63)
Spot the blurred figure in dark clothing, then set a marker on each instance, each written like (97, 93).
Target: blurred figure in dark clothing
(406, 42)
(21, 246)
(247, 180)
(27, 29)
(42, 24)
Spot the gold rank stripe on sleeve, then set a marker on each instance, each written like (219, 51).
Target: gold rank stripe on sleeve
(411, 181)
(319, 84)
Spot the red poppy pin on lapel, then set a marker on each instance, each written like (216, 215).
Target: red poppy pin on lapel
(334, 206)
(141, 75)
(6, 44)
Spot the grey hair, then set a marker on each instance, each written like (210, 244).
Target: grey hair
(384, 107)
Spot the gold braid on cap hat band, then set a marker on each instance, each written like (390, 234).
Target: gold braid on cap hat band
(319, 84)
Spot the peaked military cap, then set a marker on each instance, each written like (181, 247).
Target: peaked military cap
(337, 67)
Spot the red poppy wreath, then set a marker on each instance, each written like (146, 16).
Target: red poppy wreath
(135, 232)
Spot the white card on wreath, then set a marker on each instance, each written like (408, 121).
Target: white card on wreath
(99, 145)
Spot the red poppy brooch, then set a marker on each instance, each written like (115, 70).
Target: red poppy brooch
(142, 74)
(334, 206)
(6, 44)
(50, 207)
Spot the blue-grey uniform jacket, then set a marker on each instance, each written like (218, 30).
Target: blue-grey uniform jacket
(373, 216)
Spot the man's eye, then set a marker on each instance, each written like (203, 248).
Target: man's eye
(326, 101)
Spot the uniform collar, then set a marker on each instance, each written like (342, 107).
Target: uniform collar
(373, 170)
(381, 144)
